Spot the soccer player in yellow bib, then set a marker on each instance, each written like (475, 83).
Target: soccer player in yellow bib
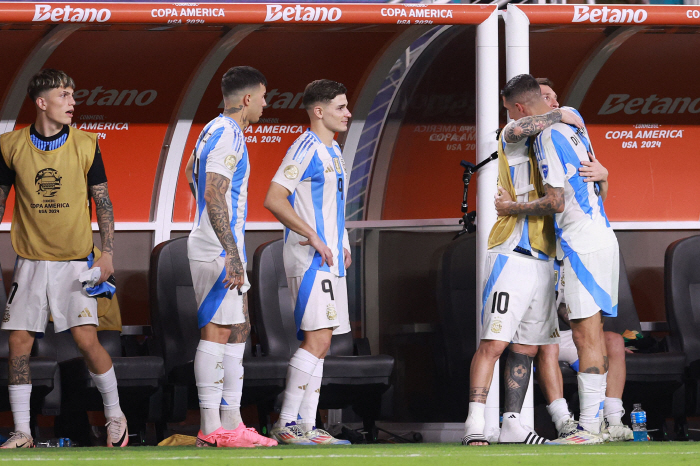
(55, 169)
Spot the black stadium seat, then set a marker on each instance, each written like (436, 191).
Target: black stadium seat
(46, 383)
(456, 299)
(682, 293)
(176, 334)
(349, 379)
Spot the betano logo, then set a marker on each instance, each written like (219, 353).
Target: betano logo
(301, 13)
(665, 105)
(608, 15)
(100, 96)
(68, 14)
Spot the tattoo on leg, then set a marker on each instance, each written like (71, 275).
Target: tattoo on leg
(478, 394)
(592, 370)
(19, 371)
(240, 332)
(517, 376)
(606, 363)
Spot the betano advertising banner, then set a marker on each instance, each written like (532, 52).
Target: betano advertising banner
(289, 59)
(128, 84)
(614, 15)
(250, 13)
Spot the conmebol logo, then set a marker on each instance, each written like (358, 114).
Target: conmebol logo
(302, 13)
(69, 14)
(608, 15)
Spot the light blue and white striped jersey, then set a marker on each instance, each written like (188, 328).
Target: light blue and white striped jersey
(220, 149)
(315, 175)
(583, 226)
(518, 155)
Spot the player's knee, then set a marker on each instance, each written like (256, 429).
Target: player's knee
(615, 344)
(527, 350)
(85, 339)
(20, 341)
(491, 349)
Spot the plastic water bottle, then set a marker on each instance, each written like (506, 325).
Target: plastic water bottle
(639, 423)
(54, 443)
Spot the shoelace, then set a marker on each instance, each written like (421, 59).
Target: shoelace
(322, 432)
(296, 430)
(114, 427)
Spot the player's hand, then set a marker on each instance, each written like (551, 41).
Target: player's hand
(235, 275)
(347, 258)
(502, 201)
(105, 265)
(570, 118)
(325, 252)
(593, 170)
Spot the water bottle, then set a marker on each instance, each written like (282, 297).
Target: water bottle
(639, 423)
(55, 443)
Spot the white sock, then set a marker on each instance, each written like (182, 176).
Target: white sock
(476, 422)
(209, 375)
(19, 401)
(559, 411)
(511, 429)
(601, 408)
(107, 385)
(309, 404)
(233, 386)
(614, 411)
(300, 370)
(589, 390)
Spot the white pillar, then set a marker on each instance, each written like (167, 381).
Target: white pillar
(486, 125)
(518, 62)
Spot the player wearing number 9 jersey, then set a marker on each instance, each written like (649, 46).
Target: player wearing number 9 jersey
(307, 195)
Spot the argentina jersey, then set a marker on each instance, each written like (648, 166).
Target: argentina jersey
(315, 176)
(220, 149)
(583, 226)
(517, 155)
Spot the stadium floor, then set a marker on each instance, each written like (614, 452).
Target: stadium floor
(653, 453)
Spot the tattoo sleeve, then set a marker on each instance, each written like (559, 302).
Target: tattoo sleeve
(105, 216)
(4, 192)
(478, 394)
(215, 196)
(551, 202)
(529, 126)
(19, 371)
(517, 378)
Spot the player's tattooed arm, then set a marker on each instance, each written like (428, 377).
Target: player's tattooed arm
(478, 394)
(552, 202)
(517, 378)
(105, 216)
(216, 188)
(4, 192)
(516, 131)
(19, 371)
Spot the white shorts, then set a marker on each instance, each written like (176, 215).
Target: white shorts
(216, 303)
(320, 300)
(43, 287)
(590, 283)
(518, 300)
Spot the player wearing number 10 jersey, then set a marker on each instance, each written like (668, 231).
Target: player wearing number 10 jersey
(307, 195)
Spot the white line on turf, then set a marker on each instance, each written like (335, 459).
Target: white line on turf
(274, 457)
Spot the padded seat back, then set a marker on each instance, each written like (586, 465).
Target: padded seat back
(275, 312)
(456, 299)
(682, 294)
(173, 304)
(62, 347)
(627, 317)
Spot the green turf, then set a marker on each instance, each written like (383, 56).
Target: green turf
(657, 454)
